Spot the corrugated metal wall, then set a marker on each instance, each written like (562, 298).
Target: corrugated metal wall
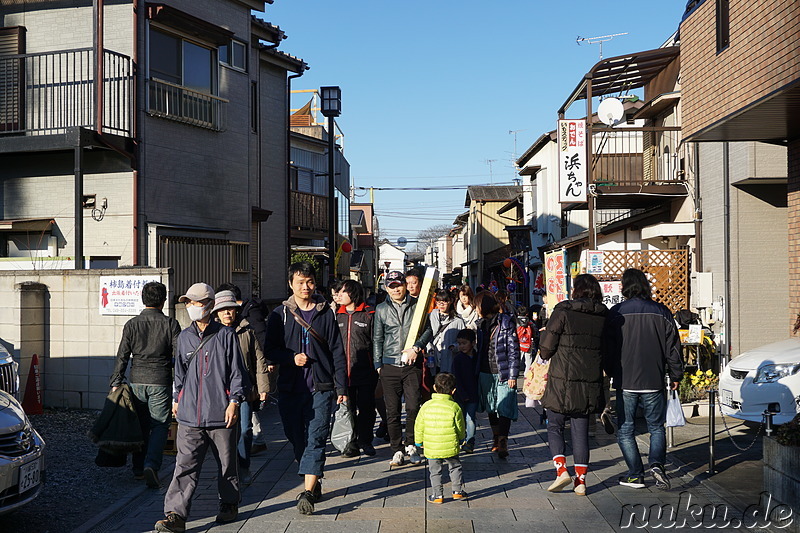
(195, 260)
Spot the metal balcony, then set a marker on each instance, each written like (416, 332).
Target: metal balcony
(309, 213)
(50, 92)
(181, 104)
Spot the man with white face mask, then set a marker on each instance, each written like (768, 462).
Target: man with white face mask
(210, 383)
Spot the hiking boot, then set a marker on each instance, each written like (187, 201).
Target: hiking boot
(151, 478)
(317, 491)
(660, 475)
(351, 450)
(227, 513)
(561, 481)
(459, 495)
(173, 523)
(634, 482)
(607, 420)
(413, 455)
(398, 459)
(369, 449)
(305, 502)
(435, 498)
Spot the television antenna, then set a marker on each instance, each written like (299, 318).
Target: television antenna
(491, 175)
(598, 40)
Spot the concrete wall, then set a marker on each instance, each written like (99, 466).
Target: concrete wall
(55, 314)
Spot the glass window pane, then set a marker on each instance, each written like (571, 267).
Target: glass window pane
(197, 68)
(224, 50)
(165, 57)
(238, 59)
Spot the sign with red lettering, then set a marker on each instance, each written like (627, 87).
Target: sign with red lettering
(555, 277)
(572, 161)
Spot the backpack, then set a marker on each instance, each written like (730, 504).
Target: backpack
(524, 333)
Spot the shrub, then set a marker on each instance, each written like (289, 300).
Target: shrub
(789, 433)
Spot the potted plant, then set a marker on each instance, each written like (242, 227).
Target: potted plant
(693, 389)
(782, 467)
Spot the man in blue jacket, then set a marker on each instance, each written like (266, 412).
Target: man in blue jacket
(210, 383)
(642, 348)
(303, 338)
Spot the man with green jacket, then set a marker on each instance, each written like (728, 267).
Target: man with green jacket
(440, 429)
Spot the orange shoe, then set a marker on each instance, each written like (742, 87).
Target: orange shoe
(459, 495)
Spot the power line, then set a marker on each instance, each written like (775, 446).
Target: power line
(434, 187)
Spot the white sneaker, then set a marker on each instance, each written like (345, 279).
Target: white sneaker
(398, 459)
(413, 455)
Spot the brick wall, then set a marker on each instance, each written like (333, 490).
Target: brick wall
(761, 58)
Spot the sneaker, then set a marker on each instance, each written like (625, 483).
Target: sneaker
(580, 489)
(561, 481)
(434, 498)
(151, 478)
(138, 476)
(227, 513)
(173, 523)
(607, 420)
(662, 481)
(468, 447)
(398, 459)
(632, 482)
(369, 449)
(413, 455)
(317, 491)
(382, 432)
(459, 495)
(245, 477)
(258, 448)
(351, 451)
(305, 502)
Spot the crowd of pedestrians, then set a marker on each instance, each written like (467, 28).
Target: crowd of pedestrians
(314, 354)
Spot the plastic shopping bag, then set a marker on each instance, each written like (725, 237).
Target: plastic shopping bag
(675, 416)
(536, 379)
(343, 432)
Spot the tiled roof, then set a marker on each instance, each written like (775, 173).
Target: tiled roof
(275, 33)
(492, 193)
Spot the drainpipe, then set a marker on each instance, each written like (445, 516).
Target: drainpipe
(698, 212)
(288, 165)
(726, 254)
(99, 74)
(137, 147)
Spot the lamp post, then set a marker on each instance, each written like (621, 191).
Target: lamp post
(331, 107)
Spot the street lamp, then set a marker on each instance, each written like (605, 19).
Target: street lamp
(331, 107)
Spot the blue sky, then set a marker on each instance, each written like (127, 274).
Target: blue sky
(431, 88)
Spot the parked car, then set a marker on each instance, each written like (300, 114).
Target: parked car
(22, 465)
(9, 372)
(764, 378)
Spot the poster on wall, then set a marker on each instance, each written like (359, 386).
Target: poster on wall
(572, 161)
(612, 292)
(594, 262)
(122, 295)
(555, 277)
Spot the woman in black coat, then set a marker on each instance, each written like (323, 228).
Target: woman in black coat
(572, 343)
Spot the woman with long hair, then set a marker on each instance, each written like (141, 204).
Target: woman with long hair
(498, 361)
(465, 306)
(572, 342)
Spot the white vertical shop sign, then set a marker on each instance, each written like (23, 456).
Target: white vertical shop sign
(572, 161)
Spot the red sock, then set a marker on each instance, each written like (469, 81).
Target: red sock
(580, 474)
(560, 462)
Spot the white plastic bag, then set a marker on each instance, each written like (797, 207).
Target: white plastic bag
(675, 416)
(343, 431)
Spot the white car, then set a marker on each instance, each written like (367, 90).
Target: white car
(766, 377)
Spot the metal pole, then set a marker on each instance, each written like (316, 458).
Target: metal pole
(712, 415)
(670, 437)
(331, 201)
(589, 153)
(99, 74)
(78, 200)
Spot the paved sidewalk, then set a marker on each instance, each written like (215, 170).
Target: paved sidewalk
(367, 495)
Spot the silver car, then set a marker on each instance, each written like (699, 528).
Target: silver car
(22, 465)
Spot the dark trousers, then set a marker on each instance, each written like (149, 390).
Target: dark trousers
(193, 443)
(306, 420)
(579, 428)
(362, 404)
(399, 382)
(500, 425)
(154, 406)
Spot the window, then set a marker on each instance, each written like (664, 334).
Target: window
(234, 54)
(723, 24)
(254, 107)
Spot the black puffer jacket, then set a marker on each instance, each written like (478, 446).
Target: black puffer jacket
(573, 343)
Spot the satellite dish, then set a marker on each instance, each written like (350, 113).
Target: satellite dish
(401, 242)
(610, 111)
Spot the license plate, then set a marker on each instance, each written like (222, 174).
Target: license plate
(726, 398)
(29, 476)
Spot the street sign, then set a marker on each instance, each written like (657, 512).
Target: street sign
(401, 242)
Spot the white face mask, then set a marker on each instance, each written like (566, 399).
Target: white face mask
(198, 313)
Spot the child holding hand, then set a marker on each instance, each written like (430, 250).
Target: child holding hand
(439, 428)
(465, 368)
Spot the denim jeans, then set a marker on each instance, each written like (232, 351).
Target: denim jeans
(654, 405)
(470, 413)
(154, 407)
(246, 434)
(579, 429)
(306, 418)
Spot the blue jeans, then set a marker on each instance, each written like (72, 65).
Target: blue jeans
(154, 407)
(654, 405)
(306, 418)
(470, 412)
(246, 434)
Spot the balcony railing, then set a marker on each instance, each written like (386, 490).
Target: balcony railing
(181, 104)
(309, 211)
(636, 156)
(49, 92)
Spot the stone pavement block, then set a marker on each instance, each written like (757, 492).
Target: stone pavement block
(449, 526)
(349, 526)
(402, 514)
(492, 525)
(586, 516)
(509, 503)
(451, 510)
(402, 526)
(580, 526)
(265, 526)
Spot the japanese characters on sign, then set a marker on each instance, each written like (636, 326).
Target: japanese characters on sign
(555, 277)
(122, 295)
(572, 161)
(612, 293)
(594, 262)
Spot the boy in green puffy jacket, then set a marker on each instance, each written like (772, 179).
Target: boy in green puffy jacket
(440, 428)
